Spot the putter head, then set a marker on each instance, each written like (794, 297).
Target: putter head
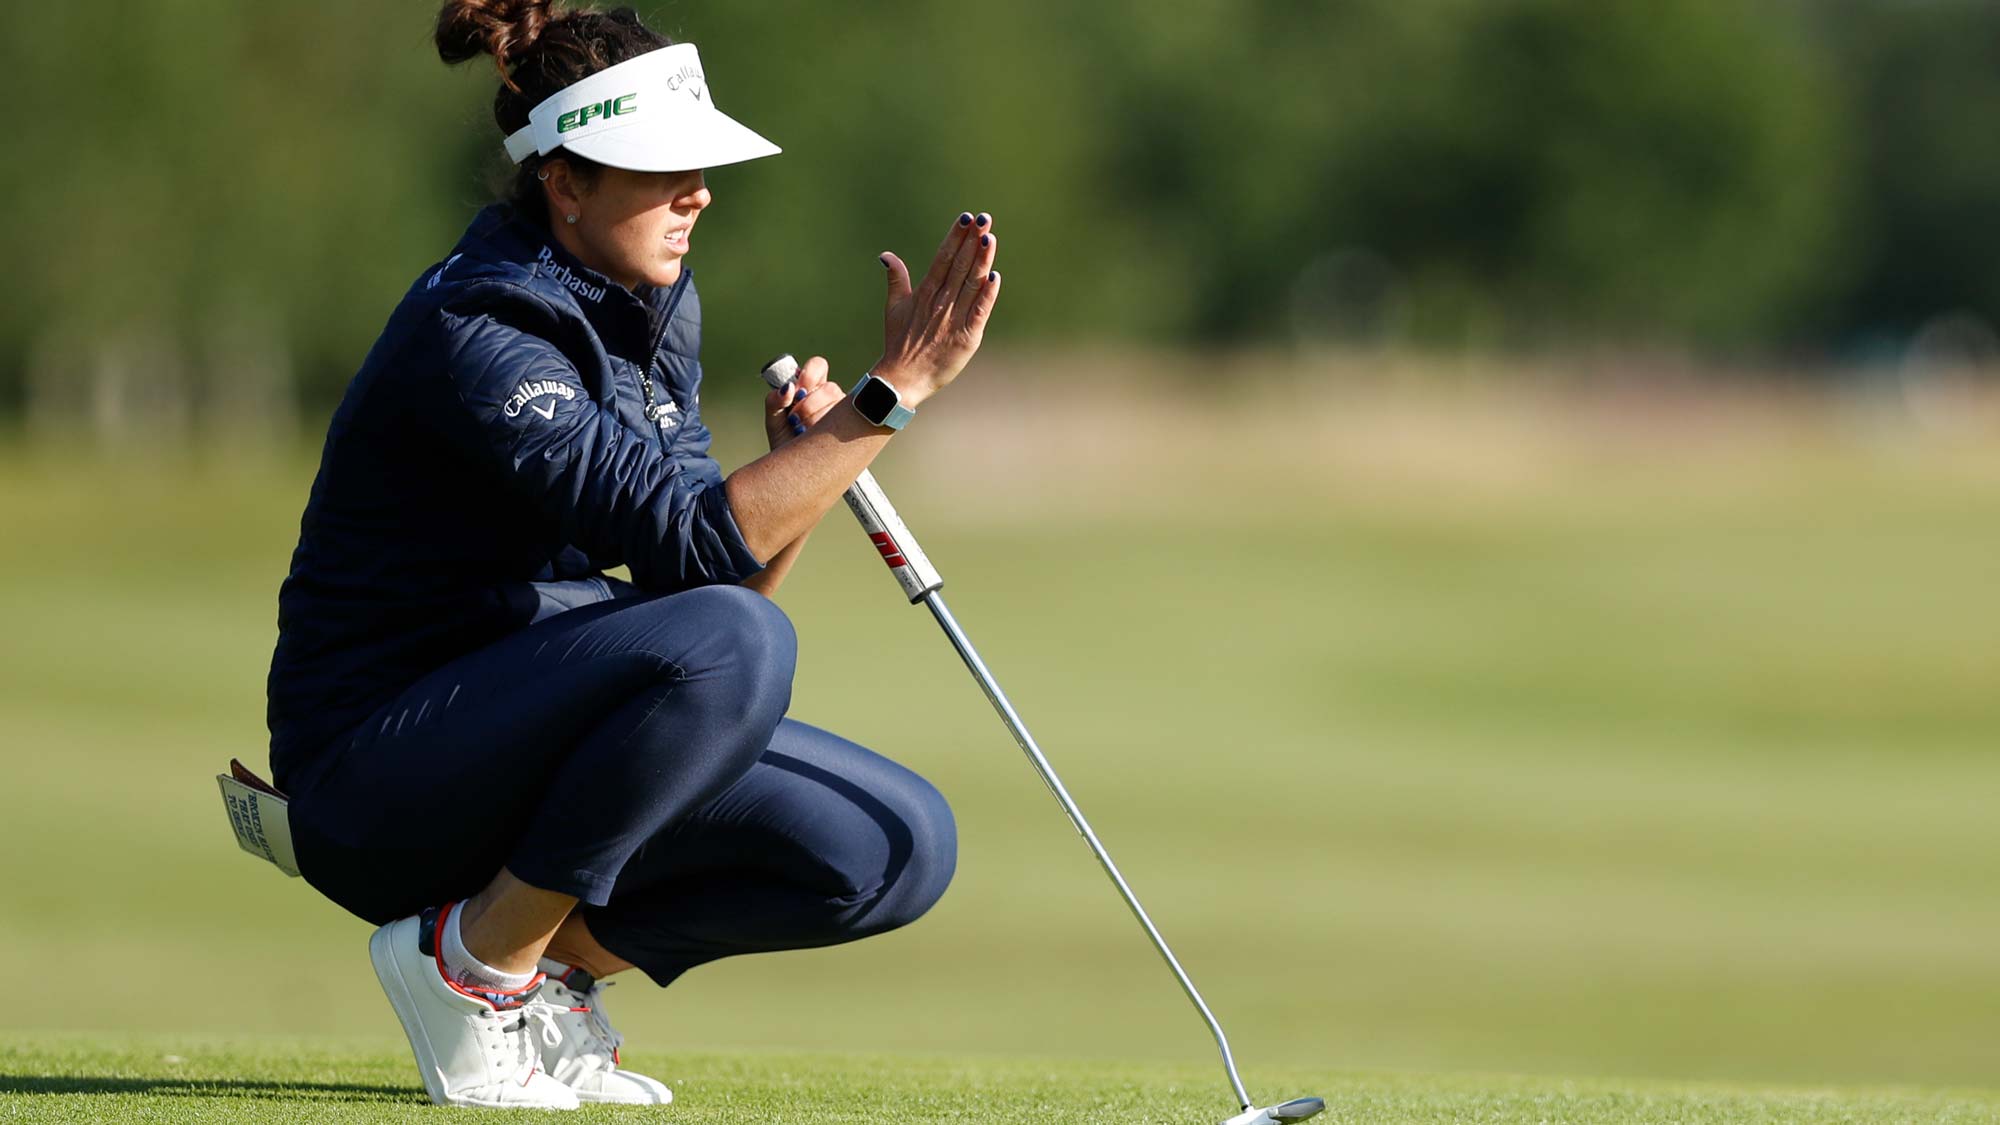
(1298, 1109)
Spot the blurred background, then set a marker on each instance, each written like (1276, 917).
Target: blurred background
(1492, 505)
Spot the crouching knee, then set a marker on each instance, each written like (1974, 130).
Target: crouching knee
(932, 861)
(748, 645)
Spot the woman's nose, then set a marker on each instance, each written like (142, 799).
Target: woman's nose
(696, 197)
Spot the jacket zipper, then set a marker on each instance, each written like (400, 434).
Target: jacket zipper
(653, 352)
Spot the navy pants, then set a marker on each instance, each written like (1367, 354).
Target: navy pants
(633, 753)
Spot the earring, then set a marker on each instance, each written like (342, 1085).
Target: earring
(569, 218)
(543, 175)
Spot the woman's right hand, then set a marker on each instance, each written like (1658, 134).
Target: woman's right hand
(930, 332)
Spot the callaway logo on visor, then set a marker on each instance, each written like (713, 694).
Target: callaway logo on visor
(655, 112)
(528, 392)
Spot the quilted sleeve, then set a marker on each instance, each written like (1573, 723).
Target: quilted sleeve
(610, 491)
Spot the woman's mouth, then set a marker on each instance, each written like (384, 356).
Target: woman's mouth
(678, 241)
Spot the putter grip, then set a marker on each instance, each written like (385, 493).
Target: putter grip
(892, 540)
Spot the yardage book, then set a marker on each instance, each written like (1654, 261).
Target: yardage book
(259, 817)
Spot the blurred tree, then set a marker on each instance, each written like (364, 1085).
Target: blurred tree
(1668, 171)
(209, 162)
(1922, 89)
(213, 180)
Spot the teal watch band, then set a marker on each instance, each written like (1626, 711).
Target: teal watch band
(878, 402)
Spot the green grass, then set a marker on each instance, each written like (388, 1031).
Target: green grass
(182, 1080)
(1619, 774)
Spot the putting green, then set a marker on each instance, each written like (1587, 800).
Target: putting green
(279, 1080)
(1605, 777)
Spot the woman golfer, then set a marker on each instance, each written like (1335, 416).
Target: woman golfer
(530, 774)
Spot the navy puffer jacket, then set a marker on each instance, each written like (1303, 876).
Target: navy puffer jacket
(494, 454)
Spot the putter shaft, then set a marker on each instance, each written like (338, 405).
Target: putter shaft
(921, 582)
(935, 601)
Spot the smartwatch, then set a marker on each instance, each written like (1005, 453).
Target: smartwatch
(878, 402)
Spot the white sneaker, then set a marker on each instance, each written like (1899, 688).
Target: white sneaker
(584, 1051)
(469, 1052)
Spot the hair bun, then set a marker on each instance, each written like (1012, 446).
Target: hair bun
(504, 29)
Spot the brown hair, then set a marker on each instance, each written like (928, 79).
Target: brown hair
(539, 50)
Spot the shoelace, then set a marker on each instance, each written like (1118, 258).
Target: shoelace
(545, 1016)
(597, 1020)
(526, 1058)
(601, 1051)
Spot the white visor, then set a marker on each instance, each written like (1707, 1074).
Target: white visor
(653, 113)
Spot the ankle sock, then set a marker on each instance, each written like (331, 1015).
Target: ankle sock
(470, 972)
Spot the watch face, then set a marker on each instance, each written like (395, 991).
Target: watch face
(875, 399)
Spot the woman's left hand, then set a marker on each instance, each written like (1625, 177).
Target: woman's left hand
(808, 399)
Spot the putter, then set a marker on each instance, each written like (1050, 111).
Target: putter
(921, 582)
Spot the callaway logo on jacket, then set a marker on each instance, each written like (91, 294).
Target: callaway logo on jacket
(492, 455)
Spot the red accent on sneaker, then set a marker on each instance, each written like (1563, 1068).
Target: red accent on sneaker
(480, 995)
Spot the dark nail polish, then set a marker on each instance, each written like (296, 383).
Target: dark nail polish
(993, 276)
(798, 393)
(965, 220)
(986, 240)
(884, 259)
(984, 219)
(794, 418)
